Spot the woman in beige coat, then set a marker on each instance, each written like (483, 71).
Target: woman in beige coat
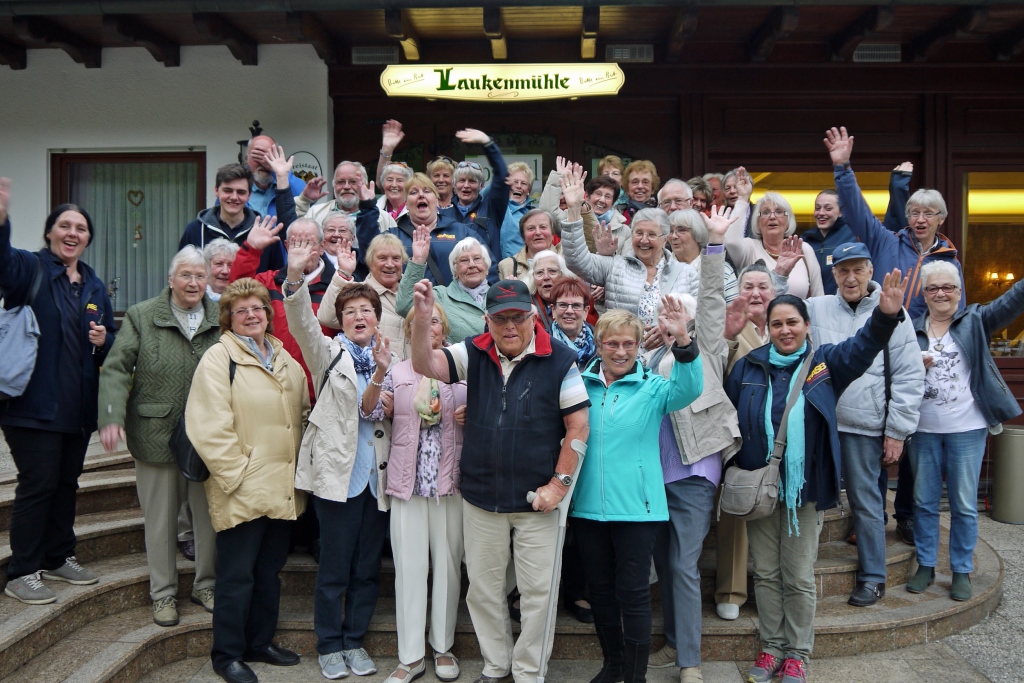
(245, 416)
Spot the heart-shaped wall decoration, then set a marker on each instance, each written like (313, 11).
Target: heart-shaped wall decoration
(136, 197)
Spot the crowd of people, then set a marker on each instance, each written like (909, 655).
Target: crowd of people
(433, 371)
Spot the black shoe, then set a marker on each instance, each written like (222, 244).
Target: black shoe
(905, 530)
(867, 593)
(583, 614)
(237, 672)
(188, 549)
(514, 612)
(273, 655)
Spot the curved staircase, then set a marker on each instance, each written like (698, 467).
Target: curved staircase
(105, 632)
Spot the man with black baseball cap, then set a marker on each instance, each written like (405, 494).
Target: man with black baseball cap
(526, 404)
(876, 414)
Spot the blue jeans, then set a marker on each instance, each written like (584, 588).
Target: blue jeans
(904, 503)
(676, 551)
(958, 456)
(862, 460)
(352, 536)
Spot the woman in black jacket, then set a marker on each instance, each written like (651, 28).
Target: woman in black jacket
(48, 426)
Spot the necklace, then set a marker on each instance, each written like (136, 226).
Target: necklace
(769, 252)
(937, 345)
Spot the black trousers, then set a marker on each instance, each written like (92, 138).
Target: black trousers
(43, 514)
(574, 581)
(617, 561)
(247, 595)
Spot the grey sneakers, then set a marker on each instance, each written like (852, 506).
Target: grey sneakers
(71, 572)
(359, 662)
(664, 658)
(204, 597)
(30, 590)
(165, 612)
(332, 666)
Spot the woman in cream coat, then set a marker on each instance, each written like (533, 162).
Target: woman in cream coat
(244, 416)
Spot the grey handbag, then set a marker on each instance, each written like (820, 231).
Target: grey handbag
(753, 494)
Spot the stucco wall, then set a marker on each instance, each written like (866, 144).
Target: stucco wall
(135, 103)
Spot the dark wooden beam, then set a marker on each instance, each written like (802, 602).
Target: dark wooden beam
(14, 56)
(494, 29)
(137, 33)
(780, 23)
(313, 32)
(683, 28)
(217, 29)
(398, 28)
(960, 25)
(591, 25)
(54, 35)
(1008, 45)
(867, 26)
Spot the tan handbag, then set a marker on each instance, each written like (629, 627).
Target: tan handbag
(753, 494)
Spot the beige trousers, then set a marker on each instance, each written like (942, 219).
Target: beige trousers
(534, 537)
(159, 494)
(731, 552)
(426, 534)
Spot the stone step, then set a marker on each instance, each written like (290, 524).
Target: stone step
(105, 632)
(103, 491)
(98, 461)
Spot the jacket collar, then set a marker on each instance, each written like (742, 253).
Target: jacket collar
(593, 372)
(874, 291)
(319, 283)
(944, 246)
(210, 218)
(542, 343)
(53, 267)
(839, 233)
(163, 314)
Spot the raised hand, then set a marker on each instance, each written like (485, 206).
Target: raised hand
(472, 136)
(839, 144)
(5, 198)
(382, 353)
(420, 245)
(300, 251)
(744, 185)
(423, 299)
(314, 190)
(790, 254)
(366, 192)
(279, 164)
(737, 315)
(605, 240)
(907, 166)
(263, 233)
(673, 319)
(572, 191)
(717, 223)
(347, 260)
(392, 136)
(894, 287)
(562, 165)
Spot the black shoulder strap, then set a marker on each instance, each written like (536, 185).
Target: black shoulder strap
(515, 268)
(330, 367)
(431, 263)
(231, 370)
(37, 280)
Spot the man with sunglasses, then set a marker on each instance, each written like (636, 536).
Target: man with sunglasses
(485, 210)
(525, 407)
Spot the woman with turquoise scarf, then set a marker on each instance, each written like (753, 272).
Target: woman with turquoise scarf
(784, 545)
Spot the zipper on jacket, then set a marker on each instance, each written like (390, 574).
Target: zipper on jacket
(604, 397)
(643, 485)
(611, 415)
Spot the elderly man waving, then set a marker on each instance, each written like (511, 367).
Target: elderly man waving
(877, 412)
(526, 403)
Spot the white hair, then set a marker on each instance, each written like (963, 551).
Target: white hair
(939, 268)
(217, 247)
(188, 256)
(359, 167)
(335, 215)
(927, 199)
(777, 201)
(657, 216)
(401, 169)
(676, 181)
(464, 245)
(299, 222)
(548, 253)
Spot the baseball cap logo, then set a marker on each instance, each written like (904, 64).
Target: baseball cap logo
(506, 292)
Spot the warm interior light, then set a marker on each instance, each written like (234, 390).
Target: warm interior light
(995, 202)
(1009, 277)
(993, 276)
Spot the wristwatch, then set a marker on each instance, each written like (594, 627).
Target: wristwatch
(565, 479)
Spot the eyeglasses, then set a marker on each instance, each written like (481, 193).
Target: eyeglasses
(244, 312)
(191, 277)
(681, 229)
(946, 289)
(562, 306)
(363, 312)
(503, 320)
(470, 164)
(676, 202)
(470, 260)
(765, 213)
(615, 346)
(447, 160)
(918, 214)
(337, 231)
(547, 272)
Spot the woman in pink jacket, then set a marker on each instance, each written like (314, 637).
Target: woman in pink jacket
(426, 506)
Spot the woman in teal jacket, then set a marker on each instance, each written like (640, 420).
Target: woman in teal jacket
(619, 499)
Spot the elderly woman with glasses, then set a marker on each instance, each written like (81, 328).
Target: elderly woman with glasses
(773, 222)
(965, 400)
(633, 283)
(548, 268)
(688, 237)
(470, 205)
(910, 248)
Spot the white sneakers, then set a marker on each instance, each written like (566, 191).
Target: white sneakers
(727, 611)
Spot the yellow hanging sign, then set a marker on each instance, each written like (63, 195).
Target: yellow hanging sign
(502, 82)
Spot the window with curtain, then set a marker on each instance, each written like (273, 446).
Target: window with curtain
(139, 205)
